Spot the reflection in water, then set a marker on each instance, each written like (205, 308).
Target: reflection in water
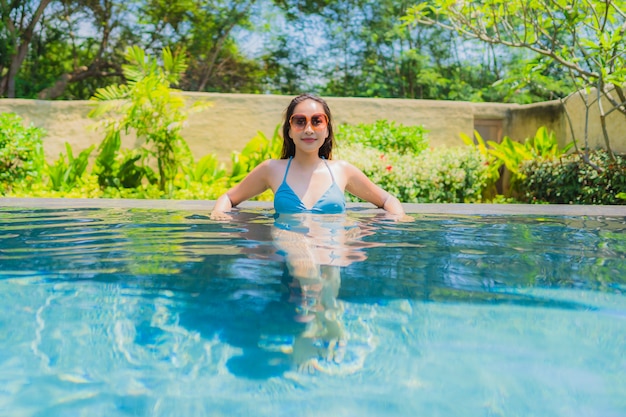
(315, 247)
(130, 312)
(303, 330)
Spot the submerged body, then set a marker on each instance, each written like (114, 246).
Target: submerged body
(307, 182)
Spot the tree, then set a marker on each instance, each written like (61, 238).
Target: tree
(583, 37)
(205, 30)
(78, 46)
(93, 53)
(362, 48)
(17, 28)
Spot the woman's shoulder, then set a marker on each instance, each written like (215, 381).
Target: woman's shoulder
(272, 164)
(344, 171)
(274, 168)
(276, 164)
(341, 164)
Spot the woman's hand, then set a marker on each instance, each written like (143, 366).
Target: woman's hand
(221, 216)
(222, 206)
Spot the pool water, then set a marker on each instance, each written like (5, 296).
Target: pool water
(136, 312)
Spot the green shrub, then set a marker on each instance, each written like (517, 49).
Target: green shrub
(441, 175)
(570, 180)
(67, 174)
(257, 150)
(21, 152)
(385, 136)
(513, 154)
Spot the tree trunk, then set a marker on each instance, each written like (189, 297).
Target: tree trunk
(23, 38)
(96, 70)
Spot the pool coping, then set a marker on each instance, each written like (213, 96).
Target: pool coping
(410, 208)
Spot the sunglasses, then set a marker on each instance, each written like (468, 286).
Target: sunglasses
(298, 122)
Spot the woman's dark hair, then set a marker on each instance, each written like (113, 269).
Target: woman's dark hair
(289, 148)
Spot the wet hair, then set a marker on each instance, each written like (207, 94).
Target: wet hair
(289, 148)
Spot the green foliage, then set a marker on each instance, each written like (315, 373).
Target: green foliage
(385, 136)
(571, 180)
(66, 174)
(397, 158)
(531, 80)
(583, 39)
(511, 154)
(208, 169)
(440, 175)
(257, 150)
(148, 106)
(60, 64)
(106, 167)
(21, 152)
(493, 164)
(542, 146)
(121, 168)
(132, 170)
(406, 168)
(205, 179)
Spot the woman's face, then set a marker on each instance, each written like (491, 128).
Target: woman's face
(308, 126)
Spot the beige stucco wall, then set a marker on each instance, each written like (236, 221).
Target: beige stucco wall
(577, 104)
(234, 119)
(525, 120)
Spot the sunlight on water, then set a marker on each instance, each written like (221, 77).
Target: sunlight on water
(128, 312)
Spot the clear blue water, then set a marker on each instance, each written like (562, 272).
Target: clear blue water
(128, 312)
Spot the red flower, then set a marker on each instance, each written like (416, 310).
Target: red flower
(382, 156)
(388, 168)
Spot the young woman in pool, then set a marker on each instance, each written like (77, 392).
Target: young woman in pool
(306, 179)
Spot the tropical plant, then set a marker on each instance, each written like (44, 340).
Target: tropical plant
(511, 154)
(493, 165)
(66, 174)
(257, 150)
(151, 108)
(21, 151)
(208, 169)
(121, 168)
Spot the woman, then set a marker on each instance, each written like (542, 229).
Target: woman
(306, 179)
(307, 183)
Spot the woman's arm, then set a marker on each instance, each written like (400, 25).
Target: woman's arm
(252, 185)
(361, 186)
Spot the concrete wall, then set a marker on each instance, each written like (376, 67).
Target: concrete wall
(234, 119)
(525, 120)
(615, 122)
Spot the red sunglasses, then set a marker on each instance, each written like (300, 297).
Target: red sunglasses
(298, 122)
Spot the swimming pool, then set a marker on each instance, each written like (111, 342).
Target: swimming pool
(162, 312)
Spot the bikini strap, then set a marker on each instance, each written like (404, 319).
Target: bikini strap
(329, 170)
(287, 170)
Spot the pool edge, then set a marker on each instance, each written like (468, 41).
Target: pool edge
(411, 208)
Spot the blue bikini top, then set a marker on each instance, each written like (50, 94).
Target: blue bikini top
(331, 202)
